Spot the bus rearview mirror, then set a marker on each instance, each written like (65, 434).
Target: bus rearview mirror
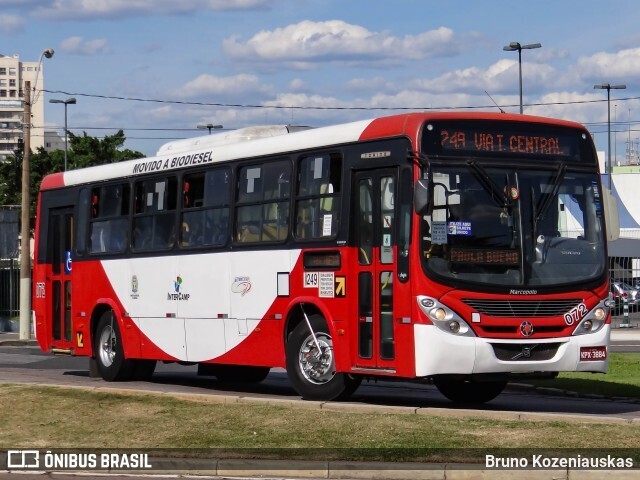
(422, 196)
(611, 215)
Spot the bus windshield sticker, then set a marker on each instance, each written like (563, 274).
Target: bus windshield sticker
(326, 225)
(317, 168)
(459, 228)
(439, 233)
(326, 284)
(252, 175)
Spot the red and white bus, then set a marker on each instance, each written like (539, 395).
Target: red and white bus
(460, 247)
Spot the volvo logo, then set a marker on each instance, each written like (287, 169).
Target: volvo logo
(526, 329)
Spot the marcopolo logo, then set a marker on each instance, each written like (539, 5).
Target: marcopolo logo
(177, 294)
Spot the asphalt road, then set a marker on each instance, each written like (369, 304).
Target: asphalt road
(27, 364)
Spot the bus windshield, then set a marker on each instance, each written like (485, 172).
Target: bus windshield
(495, 225)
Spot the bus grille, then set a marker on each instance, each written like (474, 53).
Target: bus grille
(514, 352)
(522, 308)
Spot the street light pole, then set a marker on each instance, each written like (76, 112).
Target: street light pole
(210, 127)
(512, 47)
(608, 87)
(68, 101)
(25, 231)
(25, 235)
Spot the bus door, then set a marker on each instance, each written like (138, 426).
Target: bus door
(62, 244)
(375, 209)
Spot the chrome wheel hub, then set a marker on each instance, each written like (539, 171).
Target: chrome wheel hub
(317, 366)
(107, 350)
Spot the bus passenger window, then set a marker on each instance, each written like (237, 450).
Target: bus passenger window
(154, 219)
(205, 208)
(263, 203)
(318, 197)
(109, 223)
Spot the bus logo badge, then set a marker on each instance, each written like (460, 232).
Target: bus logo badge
(134, 287)
(241, 285)
(526, 329)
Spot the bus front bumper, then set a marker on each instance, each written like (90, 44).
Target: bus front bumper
(439, 352)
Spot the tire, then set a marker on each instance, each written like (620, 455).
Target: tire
(108, 351)
(240, 374)
(314, 375)
(463, 389)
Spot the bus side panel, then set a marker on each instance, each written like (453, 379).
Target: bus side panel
(41, 305)
(90, 290)
(206, 307)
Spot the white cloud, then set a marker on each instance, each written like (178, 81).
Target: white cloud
(78, 46)
(206, 85)
(298, 85)
(501, 77)
(11, 24)
(611, 67)
(95, 9)
(307, 43)
(574, 106)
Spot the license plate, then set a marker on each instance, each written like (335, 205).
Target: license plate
(593, 353)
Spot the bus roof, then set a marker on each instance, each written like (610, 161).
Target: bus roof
(272, 140)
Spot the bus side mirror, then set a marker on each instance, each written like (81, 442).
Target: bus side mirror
(611, 216)
(422, 196)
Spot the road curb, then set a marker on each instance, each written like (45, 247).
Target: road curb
(18, 343)
(350, 407)
(220, 468)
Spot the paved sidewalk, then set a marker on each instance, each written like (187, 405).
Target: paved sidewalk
(13, 338)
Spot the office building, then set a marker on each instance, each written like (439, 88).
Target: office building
(13, 74)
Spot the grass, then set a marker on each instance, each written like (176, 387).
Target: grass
(623, 379)
(69, 418)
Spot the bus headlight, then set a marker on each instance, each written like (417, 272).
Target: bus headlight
(593, 321)
(439, 314)
(443, 317)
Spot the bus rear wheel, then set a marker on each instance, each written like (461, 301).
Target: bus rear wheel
(108, 350)
(311, 366)
(465, 389)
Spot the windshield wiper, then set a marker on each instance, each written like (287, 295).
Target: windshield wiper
(545, 202)
(499, 196)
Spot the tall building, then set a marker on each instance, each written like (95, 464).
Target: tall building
(13, 74)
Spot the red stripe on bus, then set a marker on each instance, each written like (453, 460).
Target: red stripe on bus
(55, 180)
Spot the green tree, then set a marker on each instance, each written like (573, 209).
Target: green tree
(10, 177)
(84, 151)
(88, 151)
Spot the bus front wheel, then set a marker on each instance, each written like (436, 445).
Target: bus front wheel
(311, 365)
(464, 389)
(108, 350)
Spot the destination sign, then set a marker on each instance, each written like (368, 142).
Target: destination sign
(485, 256)
(519, 139)
(495, 141)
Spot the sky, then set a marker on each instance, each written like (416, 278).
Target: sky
(159, 68)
